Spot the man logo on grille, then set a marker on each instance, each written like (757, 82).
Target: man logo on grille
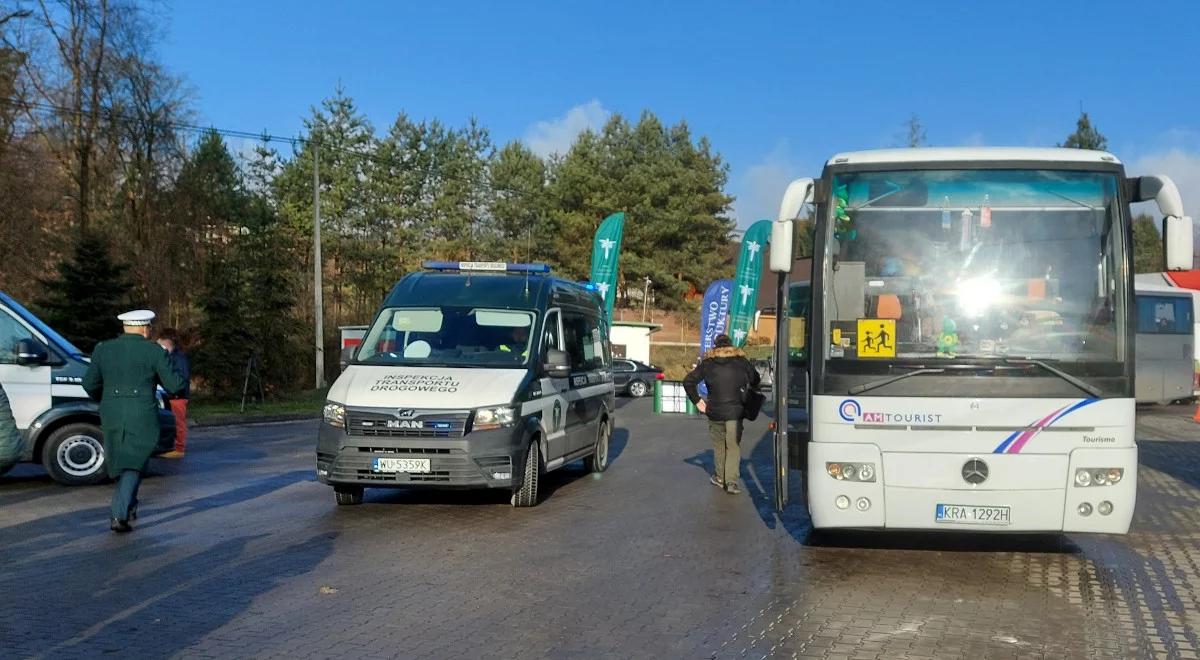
(975, 472)
(406, 413)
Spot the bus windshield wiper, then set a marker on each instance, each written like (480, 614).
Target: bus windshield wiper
(1090, 389)
(859, 389)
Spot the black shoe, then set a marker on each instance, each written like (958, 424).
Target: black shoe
(119, 526)
(733, 488)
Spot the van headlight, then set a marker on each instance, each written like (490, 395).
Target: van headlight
(335, 415)
(494, 418)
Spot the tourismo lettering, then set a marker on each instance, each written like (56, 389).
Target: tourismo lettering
(417, 383)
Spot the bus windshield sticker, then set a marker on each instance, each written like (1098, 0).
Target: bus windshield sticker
(876, 338)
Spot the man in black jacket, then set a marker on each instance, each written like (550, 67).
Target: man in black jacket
(729, 376)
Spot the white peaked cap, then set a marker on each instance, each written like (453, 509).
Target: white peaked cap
(137, 317)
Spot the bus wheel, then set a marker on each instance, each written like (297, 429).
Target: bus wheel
(527, 494)
(598, 461)
(348, 495)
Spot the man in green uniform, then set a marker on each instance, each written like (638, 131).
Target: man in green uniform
(123, 377)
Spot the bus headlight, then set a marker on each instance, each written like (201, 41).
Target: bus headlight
(493, 418)
(335, 415)
(1085, 477)
(851, 471)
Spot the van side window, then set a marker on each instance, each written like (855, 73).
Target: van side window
(585, 342)
(11, 332)
(551, 338)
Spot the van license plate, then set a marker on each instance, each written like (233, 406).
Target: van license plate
(410, 465)
(973, 515)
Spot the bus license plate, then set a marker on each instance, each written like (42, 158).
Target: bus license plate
(409, 465)
(973, 515)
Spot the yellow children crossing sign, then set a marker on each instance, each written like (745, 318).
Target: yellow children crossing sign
(876, 338)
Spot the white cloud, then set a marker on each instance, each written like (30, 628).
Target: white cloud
(975, 139)
(555, 136)
(760, 188)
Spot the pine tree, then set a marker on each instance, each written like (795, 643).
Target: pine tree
(1085, 136)
(225, 346)
(914, 132)
(1147, 246)
(520, 205)
(671, 188)
(83, 300)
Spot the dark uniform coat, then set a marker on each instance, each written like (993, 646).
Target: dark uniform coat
(123, 377)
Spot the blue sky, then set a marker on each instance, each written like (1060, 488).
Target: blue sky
(777, 86)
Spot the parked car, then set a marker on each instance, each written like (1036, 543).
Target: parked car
(635, 378)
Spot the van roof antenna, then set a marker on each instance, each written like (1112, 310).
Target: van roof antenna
(528, 255)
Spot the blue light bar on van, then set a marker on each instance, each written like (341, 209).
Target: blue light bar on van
(485, 267)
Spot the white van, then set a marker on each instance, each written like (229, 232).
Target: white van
(59, 424)
(473, 375)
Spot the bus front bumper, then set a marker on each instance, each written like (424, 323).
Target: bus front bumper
(1024, 493)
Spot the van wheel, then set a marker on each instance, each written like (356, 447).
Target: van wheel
(74, 455)
(598, 461)
(527, 494)
(348, 495)
(638, 389)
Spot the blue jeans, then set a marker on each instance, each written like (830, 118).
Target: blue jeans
(125, 496)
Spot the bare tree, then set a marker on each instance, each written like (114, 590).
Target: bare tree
(70, 46)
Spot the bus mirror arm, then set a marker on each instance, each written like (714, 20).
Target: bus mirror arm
(1177, 227)
(798, 194)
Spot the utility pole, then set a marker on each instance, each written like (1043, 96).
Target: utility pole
(646, 298)
(318, 298)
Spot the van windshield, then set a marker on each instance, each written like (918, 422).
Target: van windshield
(449, 337)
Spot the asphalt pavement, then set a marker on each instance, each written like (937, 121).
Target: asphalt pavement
(239, 552)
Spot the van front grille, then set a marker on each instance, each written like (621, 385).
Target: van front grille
(423, 425)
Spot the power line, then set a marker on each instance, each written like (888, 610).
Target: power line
(264, 136)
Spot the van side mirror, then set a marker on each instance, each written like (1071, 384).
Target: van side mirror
(346, 356)
(558, 365)
(31, 354)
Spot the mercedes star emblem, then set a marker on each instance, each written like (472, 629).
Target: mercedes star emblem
(975, 472)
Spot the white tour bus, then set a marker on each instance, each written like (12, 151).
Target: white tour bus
(972, 338)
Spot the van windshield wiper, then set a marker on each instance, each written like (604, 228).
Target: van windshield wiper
(1090, 389)
(875, 384)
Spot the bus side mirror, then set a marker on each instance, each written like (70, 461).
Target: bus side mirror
(1178, 242)
(1177, 227)
(798, 193)
(31, 354)
(557, 364)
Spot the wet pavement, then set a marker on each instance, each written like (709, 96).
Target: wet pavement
(239, 552)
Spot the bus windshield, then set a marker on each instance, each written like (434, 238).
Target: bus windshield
(449, 337)
(968, 264)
